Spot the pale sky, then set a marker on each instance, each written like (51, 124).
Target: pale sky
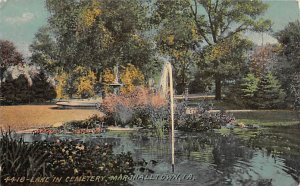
(20, 20)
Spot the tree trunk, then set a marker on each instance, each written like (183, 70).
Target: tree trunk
(218, 91)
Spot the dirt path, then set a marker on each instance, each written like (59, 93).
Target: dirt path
(33, 116)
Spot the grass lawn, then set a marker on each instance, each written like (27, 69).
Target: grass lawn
(33, 116)
(267, 118)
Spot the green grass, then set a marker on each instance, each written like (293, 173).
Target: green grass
(267, 118)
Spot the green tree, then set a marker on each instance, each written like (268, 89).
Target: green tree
(16, 91)
(176, 38)
(248, 88)
(9, 56)
(221, 23)
(289, 38)
(295, 90)
(99, 34)
(288, 67)
(269, 93)
(44, 51)
(7, 91)
(41, 88)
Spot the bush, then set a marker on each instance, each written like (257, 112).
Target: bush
(16, 91)
(151, 111)
(90, 123)
(131, 108)
(200, 119)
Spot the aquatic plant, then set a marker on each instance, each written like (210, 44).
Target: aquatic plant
(92, 122)
(160, 128)
(72, 158)
(19, 158)
(75, 158)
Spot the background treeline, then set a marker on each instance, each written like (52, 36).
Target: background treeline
(20, 91)
(83, 41)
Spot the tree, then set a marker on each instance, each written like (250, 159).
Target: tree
(7, 91)
(289, 38)
(61, 85)
(295, 90)
(86, 85)
(224, 61)
(263, 59)
(220, 23)
(269, 93)
(248, 88)
(99, 34)
(41, 89)
(44, 51)
(9, 56)
(176, 38)
(131, 77)
(16, 91)
(288, 66)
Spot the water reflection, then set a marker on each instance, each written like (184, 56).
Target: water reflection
(212, 158)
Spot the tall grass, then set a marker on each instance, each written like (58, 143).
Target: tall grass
(19, 158)
(160, 126)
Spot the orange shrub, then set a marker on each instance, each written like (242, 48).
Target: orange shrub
(140, 98)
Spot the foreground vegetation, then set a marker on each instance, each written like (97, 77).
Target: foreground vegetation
(72, 158)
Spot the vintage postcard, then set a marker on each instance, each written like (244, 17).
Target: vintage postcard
(150, 92)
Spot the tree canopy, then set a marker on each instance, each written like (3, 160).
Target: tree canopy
(9, 56)
(213, 29)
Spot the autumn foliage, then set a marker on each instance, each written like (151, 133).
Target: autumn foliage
(131, 77)
(140, 98)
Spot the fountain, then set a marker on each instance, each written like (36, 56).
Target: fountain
(164, 85)
(116, 85)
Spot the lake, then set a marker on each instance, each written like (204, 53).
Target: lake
(268, 156)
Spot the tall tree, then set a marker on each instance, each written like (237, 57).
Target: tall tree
(44, 51)
(9, 56)
(220, 22)
(176, 37)
(289, 38)
(263, 59)
(288, 66)
(98, 34)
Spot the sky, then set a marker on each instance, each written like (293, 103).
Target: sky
(20, 20)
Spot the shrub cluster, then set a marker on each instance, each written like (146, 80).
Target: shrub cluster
(151, 111)
(200, 119)
(132, 108)
(91, 123)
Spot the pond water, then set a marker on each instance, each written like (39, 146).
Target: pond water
(222, 157)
